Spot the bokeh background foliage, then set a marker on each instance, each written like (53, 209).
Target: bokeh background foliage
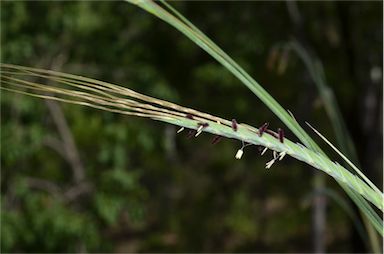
(146, 189)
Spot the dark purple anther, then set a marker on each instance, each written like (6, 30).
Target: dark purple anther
(189, 116)
(202, 125)
(263, 128)
(216, 139)
(191, 133)
(234, 125)
(281, 135)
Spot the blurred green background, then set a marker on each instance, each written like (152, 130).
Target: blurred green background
(133, 185)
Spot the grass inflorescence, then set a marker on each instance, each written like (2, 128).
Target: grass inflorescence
(167, 13)
(105, 96)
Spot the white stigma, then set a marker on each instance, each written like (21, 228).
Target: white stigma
(180, 130)
(269, 164)
(263, 152)
(281, 155)
(239, 154)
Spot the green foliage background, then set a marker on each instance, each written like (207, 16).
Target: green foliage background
(149, 189)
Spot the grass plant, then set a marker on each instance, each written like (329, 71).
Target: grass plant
(68, 88)
(105, 96)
